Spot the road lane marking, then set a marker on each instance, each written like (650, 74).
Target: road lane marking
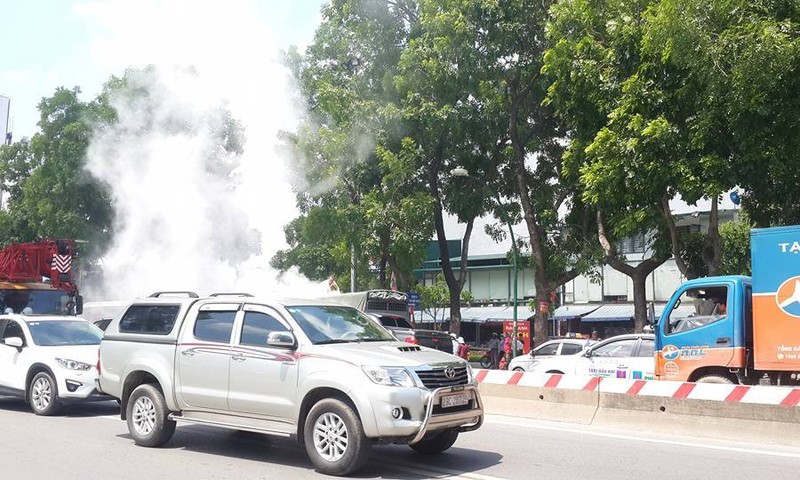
(429, 471)
(520, 422)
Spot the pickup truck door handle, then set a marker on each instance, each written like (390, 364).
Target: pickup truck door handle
(187, 353)
(723, 340)
(238, 357)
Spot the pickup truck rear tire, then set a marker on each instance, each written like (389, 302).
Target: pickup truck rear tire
(148, 417)
(334, 438)
(437, 444)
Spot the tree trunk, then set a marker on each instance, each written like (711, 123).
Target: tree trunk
(675, 239)
(454, 285)
(712, 253)
(637, 274)
(639, 300)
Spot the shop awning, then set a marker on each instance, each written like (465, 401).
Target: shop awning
(610, 313)
(565, 312)
(480, 314)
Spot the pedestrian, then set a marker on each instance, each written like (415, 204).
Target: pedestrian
(507, 348)
(463, 349)
(494, 350)
(454, 339)
(519, 345)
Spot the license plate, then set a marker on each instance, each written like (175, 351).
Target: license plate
(450, 401)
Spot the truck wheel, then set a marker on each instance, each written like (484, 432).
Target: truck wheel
(43, 395)
(148, 417)
(715, 379)
(334, 438)
(437, 444)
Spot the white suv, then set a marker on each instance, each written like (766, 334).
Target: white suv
(48, 360)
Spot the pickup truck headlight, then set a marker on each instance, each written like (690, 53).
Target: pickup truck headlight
(390, 376)
(73, 364)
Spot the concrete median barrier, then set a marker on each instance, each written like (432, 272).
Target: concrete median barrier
(744, 413)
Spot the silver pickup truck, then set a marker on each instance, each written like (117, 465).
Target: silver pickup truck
(325, 374)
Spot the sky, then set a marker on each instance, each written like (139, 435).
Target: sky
(52, 43)
(183, 220)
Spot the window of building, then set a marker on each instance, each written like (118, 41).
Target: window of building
(633, 244)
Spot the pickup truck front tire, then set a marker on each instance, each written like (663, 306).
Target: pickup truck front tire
(148, 417)
(334, 438)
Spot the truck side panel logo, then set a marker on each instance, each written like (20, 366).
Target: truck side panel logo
(670, 352)
(788, 297)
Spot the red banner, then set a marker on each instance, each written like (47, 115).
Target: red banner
(523, 328)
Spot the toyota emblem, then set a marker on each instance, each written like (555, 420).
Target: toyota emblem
(450, 372)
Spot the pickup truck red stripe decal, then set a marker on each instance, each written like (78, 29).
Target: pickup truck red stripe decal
(684, 390)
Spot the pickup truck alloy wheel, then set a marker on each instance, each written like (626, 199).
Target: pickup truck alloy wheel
(43, 394)
(334, 438)
(330, 437)
(148, 417)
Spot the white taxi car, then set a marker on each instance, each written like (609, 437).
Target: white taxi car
(551, 348)
(623, 356)
(49, 360)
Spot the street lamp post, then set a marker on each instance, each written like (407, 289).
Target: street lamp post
(463, 172)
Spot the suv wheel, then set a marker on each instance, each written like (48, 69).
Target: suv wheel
(334, 438)
(43, 394)
(148, 417)
(437, 444)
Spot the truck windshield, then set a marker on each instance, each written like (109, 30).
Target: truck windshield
(40, 302)
(64, 332)
(335, 324)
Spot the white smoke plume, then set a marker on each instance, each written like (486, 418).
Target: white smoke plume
(184, 220)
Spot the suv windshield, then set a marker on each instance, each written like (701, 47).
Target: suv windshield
(334, 324)
(64, 332)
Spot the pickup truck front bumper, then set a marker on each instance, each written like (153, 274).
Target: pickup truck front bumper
(420, 412)
(465, 420)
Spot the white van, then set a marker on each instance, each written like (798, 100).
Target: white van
(101, 313)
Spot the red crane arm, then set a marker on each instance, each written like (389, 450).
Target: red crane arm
(30, 262)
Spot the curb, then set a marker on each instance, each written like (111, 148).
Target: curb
(758, 414)
(757, 394)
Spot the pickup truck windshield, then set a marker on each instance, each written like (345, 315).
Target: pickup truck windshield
(334, 324)
(64, 332)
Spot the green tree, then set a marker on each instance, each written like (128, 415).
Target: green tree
(347, 151)
(50, 193)
(735, 68)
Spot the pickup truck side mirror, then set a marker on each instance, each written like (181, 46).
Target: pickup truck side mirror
(15, 342)
(281, 339)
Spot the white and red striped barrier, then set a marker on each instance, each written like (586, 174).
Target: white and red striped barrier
(765, 395)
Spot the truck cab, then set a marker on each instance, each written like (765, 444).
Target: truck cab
(704, 333)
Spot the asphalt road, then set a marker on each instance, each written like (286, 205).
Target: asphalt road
(90, 442)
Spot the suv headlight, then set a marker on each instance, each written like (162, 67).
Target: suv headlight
(73, 364)
(470, 374)
(390, 376)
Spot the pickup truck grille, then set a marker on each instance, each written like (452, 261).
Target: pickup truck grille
(437, 378)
